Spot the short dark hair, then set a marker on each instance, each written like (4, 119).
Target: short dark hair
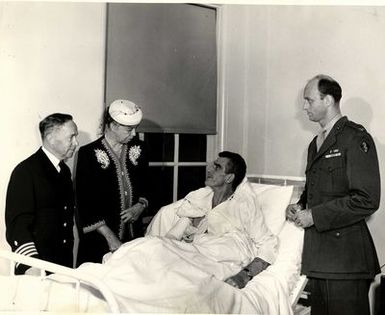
(328, 86)
(236, 166)
(51, 122)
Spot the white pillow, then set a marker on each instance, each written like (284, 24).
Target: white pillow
(288, 262)
(274, 200)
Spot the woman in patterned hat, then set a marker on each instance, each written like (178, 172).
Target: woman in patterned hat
(110, 184)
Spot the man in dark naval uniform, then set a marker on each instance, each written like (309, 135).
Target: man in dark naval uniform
(342, 190)
(40, 197)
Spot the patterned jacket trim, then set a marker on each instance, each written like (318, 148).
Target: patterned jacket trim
(120, 170)
(93, 227)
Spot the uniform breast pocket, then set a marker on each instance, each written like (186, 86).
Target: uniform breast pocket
(333, 174)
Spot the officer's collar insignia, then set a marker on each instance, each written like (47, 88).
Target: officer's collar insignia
(364, 146)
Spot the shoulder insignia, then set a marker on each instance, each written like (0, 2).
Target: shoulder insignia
(364, 146)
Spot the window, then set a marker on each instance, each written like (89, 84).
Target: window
(177, 166)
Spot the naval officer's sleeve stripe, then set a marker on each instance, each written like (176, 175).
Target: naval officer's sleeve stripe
(27, 248)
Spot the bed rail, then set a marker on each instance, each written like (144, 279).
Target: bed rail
(69, 272)
(298, 290)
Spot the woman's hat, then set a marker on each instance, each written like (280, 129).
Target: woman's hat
(125, 112)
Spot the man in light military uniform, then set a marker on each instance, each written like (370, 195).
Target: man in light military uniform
(342, 190)
(40, 197)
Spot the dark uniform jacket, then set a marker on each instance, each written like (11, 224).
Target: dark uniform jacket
(101, 195)
(342, 189)
(39, 211)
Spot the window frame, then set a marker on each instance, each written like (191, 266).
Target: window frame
(175, 164)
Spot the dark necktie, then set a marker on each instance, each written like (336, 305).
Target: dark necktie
(61, 166)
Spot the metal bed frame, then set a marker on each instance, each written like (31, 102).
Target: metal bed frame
(72, 273)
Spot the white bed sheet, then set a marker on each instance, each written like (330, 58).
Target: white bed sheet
(267, 293)
(199, 290)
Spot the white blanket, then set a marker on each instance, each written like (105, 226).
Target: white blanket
(159, 275)
(156, 274)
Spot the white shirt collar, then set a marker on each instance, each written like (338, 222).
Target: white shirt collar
(54, 160)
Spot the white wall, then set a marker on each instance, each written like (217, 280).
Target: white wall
(279, 48)
(51, 60)
(245, 94)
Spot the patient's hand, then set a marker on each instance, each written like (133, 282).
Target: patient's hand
(196, 221)
(246, 274)
(239, 280)
(256, 266)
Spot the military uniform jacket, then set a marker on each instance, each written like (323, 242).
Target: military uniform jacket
(342, 190)
(101, 195)
(39, 210)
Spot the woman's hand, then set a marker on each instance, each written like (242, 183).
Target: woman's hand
(113, 242)
(132, 214)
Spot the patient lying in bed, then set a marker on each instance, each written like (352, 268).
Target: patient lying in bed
(196, 214)
(170, 267)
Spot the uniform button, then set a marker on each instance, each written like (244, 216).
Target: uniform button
(65, 224)
(16, 243)
(64, 241)
(338, 234)
(65, 207)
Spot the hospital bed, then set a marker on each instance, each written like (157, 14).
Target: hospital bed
(274, 291)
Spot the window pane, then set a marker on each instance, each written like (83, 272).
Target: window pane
(160, 146)
(192, 148)
(190, 178)
(159, 188)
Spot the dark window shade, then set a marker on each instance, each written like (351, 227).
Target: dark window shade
(163, 57)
